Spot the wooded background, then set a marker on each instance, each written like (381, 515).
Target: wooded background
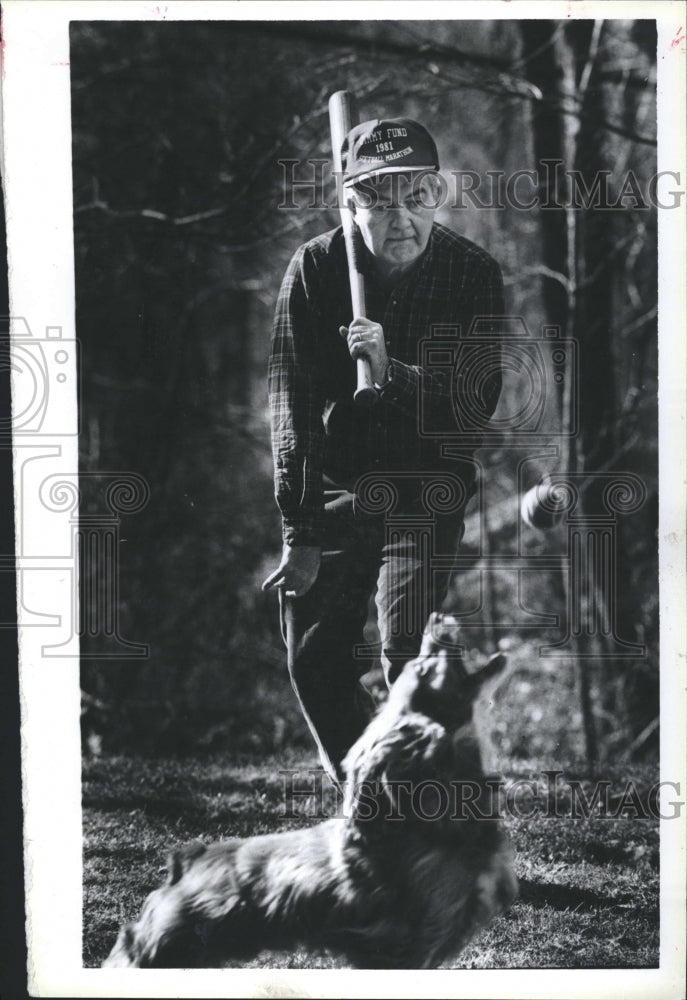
(180, 243)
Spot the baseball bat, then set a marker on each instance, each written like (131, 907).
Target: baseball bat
(342, 117)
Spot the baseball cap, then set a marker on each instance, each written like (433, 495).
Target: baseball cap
(385, 146)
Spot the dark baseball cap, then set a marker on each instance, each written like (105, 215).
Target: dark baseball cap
(385, 146)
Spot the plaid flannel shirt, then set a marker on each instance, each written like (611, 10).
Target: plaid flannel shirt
(316, 428)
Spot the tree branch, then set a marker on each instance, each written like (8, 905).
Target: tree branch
(541, 271)
(98, 205)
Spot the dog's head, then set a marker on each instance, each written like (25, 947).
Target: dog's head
(437, 683)
(164, 935)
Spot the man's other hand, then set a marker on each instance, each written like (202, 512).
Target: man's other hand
(297, 570)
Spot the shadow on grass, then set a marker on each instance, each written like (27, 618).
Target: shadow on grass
(566, 897)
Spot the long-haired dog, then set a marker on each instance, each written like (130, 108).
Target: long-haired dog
(418, 863)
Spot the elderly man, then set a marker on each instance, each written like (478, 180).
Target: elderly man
(337, 551)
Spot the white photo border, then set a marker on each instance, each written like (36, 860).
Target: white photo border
(38, 189)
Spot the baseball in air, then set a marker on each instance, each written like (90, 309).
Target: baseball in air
(542, 507)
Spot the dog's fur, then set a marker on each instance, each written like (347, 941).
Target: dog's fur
(382, 892)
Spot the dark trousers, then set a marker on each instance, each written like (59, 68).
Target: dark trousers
(323, 629)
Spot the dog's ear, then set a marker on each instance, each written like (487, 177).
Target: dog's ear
(129, 944)
(179, 861)
(496, 663)
(493, 669)
(126, 951)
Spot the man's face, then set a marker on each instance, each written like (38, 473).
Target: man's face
(398, 218)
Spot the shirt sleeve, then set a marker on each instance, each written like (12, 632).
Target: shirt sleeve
(296, 407)
(470, 392)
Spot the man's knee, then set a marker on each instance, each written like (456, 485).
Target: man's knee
(316, 654)
(304, 673)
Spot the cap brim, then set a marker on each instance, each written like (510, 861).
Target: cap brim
(389, 170)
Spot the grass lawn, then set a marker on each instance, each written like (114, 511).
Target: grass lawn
(589, 886)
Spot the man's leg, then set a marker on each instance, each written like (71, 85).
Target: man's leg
(321, 629)
(409, 588)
